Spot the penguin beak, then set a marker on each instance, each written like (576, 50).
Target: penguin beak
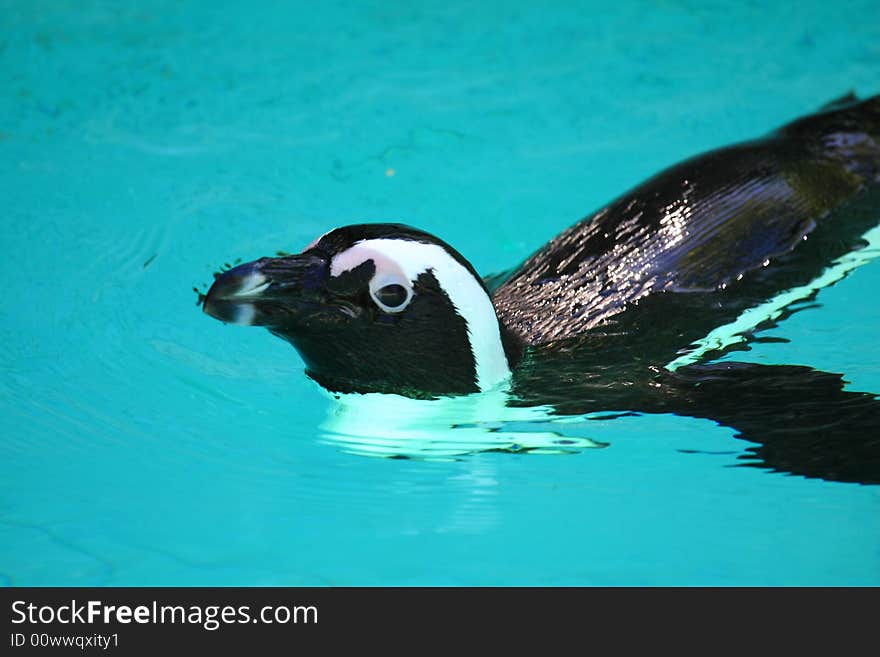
(266, 291)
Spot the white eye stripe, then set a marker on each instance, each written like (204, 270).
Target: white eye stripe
(363, 251)
(410, 259)
(388, 272)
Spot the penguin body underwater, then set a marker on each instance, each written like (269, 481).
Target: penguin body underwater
(610, 314)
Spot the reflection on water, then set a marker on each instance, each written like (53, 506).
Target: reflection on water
(393, 426)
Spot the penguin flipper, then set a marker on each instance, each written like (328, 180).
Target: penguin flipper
(802, 421)
(677, 329)
(714, 222)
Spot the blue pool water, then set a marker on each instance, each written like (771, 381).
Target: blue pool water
(144, 145)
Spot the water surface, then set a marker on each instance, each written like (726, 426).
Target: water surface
(144, 145)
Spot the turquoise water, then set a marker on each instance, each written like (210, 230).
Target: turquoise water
(143, 145)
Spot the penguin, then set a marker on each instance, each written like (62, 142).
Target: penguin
(624, 312)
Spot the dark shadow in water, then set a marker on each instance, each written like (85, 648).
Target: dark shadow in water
(801, 420)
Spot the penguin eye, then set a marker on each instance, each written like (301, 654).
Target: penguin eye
(391, 298)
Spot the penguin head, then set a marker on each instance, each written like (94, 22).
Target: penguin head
(374, 308)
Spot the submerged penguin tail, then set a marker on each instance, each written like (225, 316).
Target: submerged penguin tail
(868, 107)
(843, 101)
(847, 114)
